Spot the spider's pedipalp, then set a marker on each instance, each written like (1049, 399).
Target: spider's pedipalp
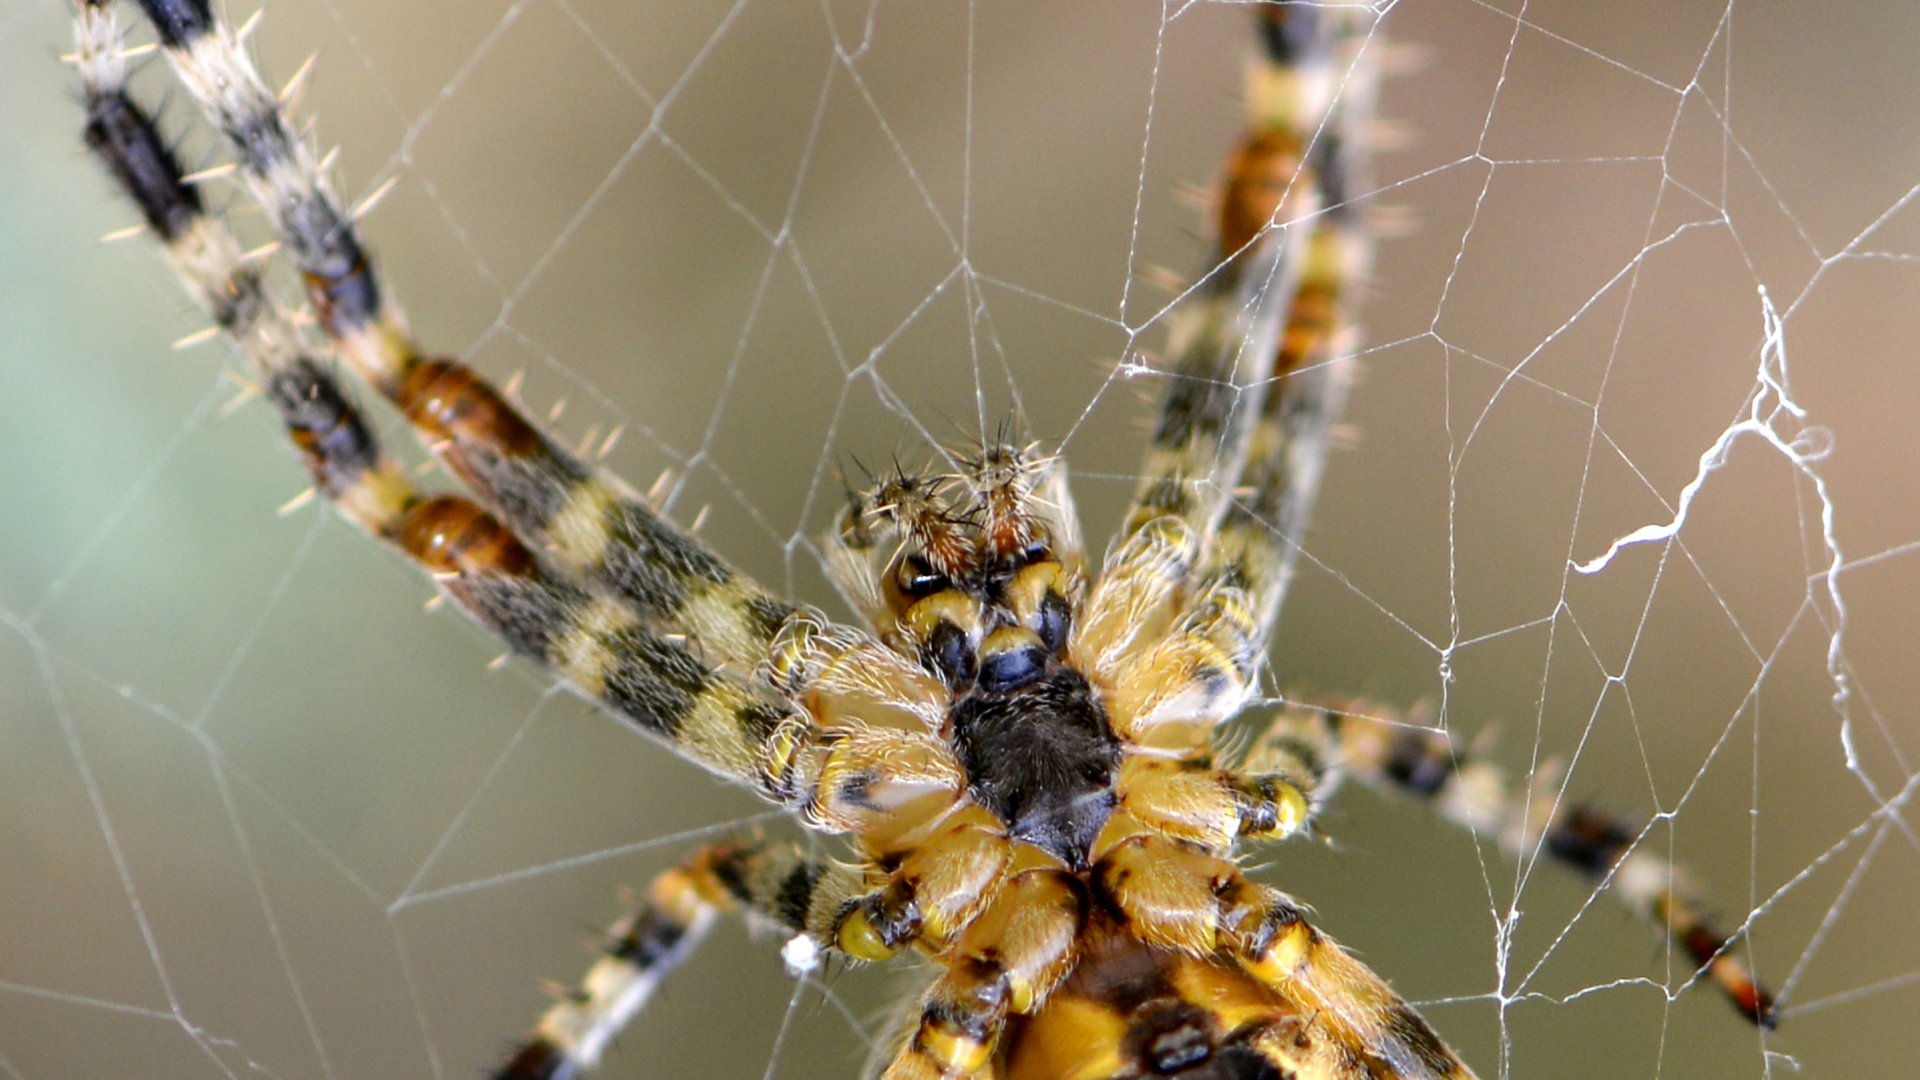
(941, 538)
(960, 573)
(856, 549)
(1000, 480)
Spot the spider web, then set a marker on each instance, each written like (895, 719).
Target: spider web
(1656, 285)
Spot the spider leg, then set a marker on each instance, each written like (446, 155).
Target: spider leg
(580, 574)
(889, 539)
(449, 536)
(1225, 334)
(1006, 961)
(1184, 896)
(1005, 949)
(876, 704)
(1179, 621)
(587, 521)
(880, 771)
(590, 639)
(1355, 1008)
(1391, 753)
(1258, 539)
(774, 884)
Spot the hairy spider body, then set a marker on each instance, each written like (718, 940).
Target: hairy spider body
(1023, 754)
(1134, 1011)
(1041, 757)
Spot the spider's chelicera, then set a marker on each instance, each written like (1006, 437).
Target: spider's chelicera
(1023, 754)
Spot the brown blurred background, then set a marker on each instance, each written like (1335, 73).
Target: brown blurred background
(264, 817)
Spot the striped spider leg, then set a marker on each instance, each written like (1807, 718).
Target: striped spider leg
(1213, 578)
(775, 884)
(1195, 582)
(650, 624)
(1401, 755)
(1178, 621)
(561, 562)
(1387, 751)
(1021, 752)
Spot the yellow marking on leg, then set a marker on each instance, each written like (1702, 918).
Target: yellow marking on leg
(1167, 891)
(1172, 698)
(582, 655)
(1179, 799)
(953, 873)
(577, 534)
(1132, 603)
(1028, 934)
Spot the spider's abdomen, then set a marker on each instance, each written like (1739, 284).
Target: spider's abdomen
(1131, 1011)
(1041, 758)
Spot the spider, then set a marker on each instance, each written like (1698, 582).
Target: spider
(1022, 750)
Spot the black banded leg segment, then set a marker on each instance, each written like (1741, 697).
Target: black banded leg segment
(1390, 752)
(1309, 90)
(585, 521)
(1224, 337)
(771, 883)
(1259, 538)
(337, 446)
(1351, 1005)
(590, 640)
(1179, 620)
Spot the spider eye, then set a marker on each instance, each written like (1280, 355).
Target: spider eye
(917, 578)
(1040, 548)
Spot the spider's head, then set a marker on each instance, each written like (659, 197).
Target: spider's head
(978, 575)
(975, 573)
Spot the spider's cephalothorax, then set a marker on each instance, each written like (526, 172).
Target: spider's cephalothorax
(978, 595)
(1022, 754)
(1069, 831)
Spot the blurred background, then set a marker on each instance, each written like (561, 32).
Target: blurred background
(265, 817)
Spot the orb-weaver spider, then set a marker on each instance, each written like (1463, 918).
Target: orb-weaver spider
(1022, 751)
